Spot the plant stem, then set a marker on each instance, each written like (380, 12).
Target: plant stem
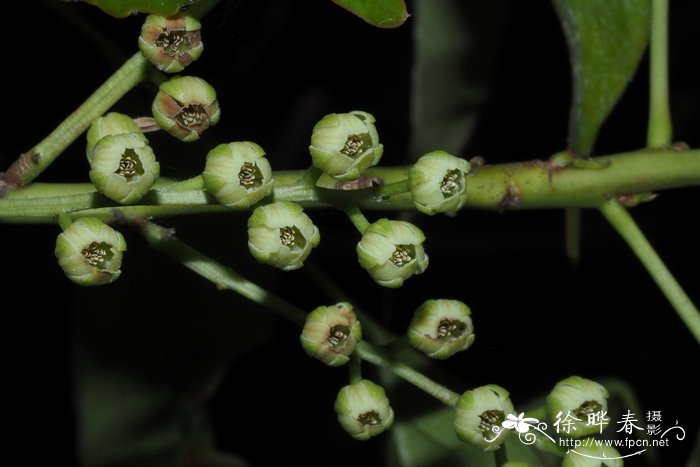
(621, 220)
(373, 355)
(194, 183)
(659, 133)
(355, 369)
(33, 162)
(500, 455)
(370, 326)
(164, 240)
(393, 189)
(357, 218)
(524, 185)
(64, 220)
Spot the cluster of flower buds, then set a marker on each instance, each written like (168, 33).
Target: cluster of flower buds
(440, 328)
(185, 105)
(123, 166)
(330, 334)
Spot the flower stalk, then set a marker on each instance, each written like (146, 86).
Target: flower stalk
(165, 241)
(660, 129)
(37, 159)
(621, 220)
(524, 185)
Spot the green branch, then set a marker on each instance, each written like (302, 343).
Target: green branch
(164, 240)
(524, 185)
(33, 162)
(620, 219)
(373, 355)
(659, 133)
(357, 218)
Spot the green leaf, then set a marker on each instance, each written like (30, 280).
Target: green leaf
(606, 42)
(380, 13)
(429, 440)
(452, 69)
(122, 8)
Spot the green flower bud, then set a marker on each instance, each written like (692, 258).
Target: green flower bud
(123, 167)
(171, 43)
(281, 235)
(90, 252)
(478, 411)
(238, 174)
(344, 145)
(331, 333)
(111, 124)
(584, 400)
(186, 106)
(438, 182)
(363, 409)
(441, 328)
(516, 464)
(392, 251)
(593, 456)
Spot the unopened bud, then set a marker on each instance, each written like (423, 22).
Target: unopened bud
(238, 174)
(478, 411)
(110, 124)
(363, 409)
(581, 400)
(438, 182)
(344, 145)
(123, 167)
(392, 251)
(171, 43)
(331, 333)
(441, 328)
(186, 106)
(90, 252)
(281, 235)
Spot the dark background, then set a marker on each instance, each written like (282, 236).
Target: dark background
(279, 66)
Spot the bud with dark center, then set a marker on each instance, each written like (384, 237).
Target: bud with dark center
(331, 333)
(90, 252)
(185, 107)
(171, 43)
(441, 328)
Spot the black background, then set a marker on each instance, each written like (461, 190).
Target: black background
(278, 67)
